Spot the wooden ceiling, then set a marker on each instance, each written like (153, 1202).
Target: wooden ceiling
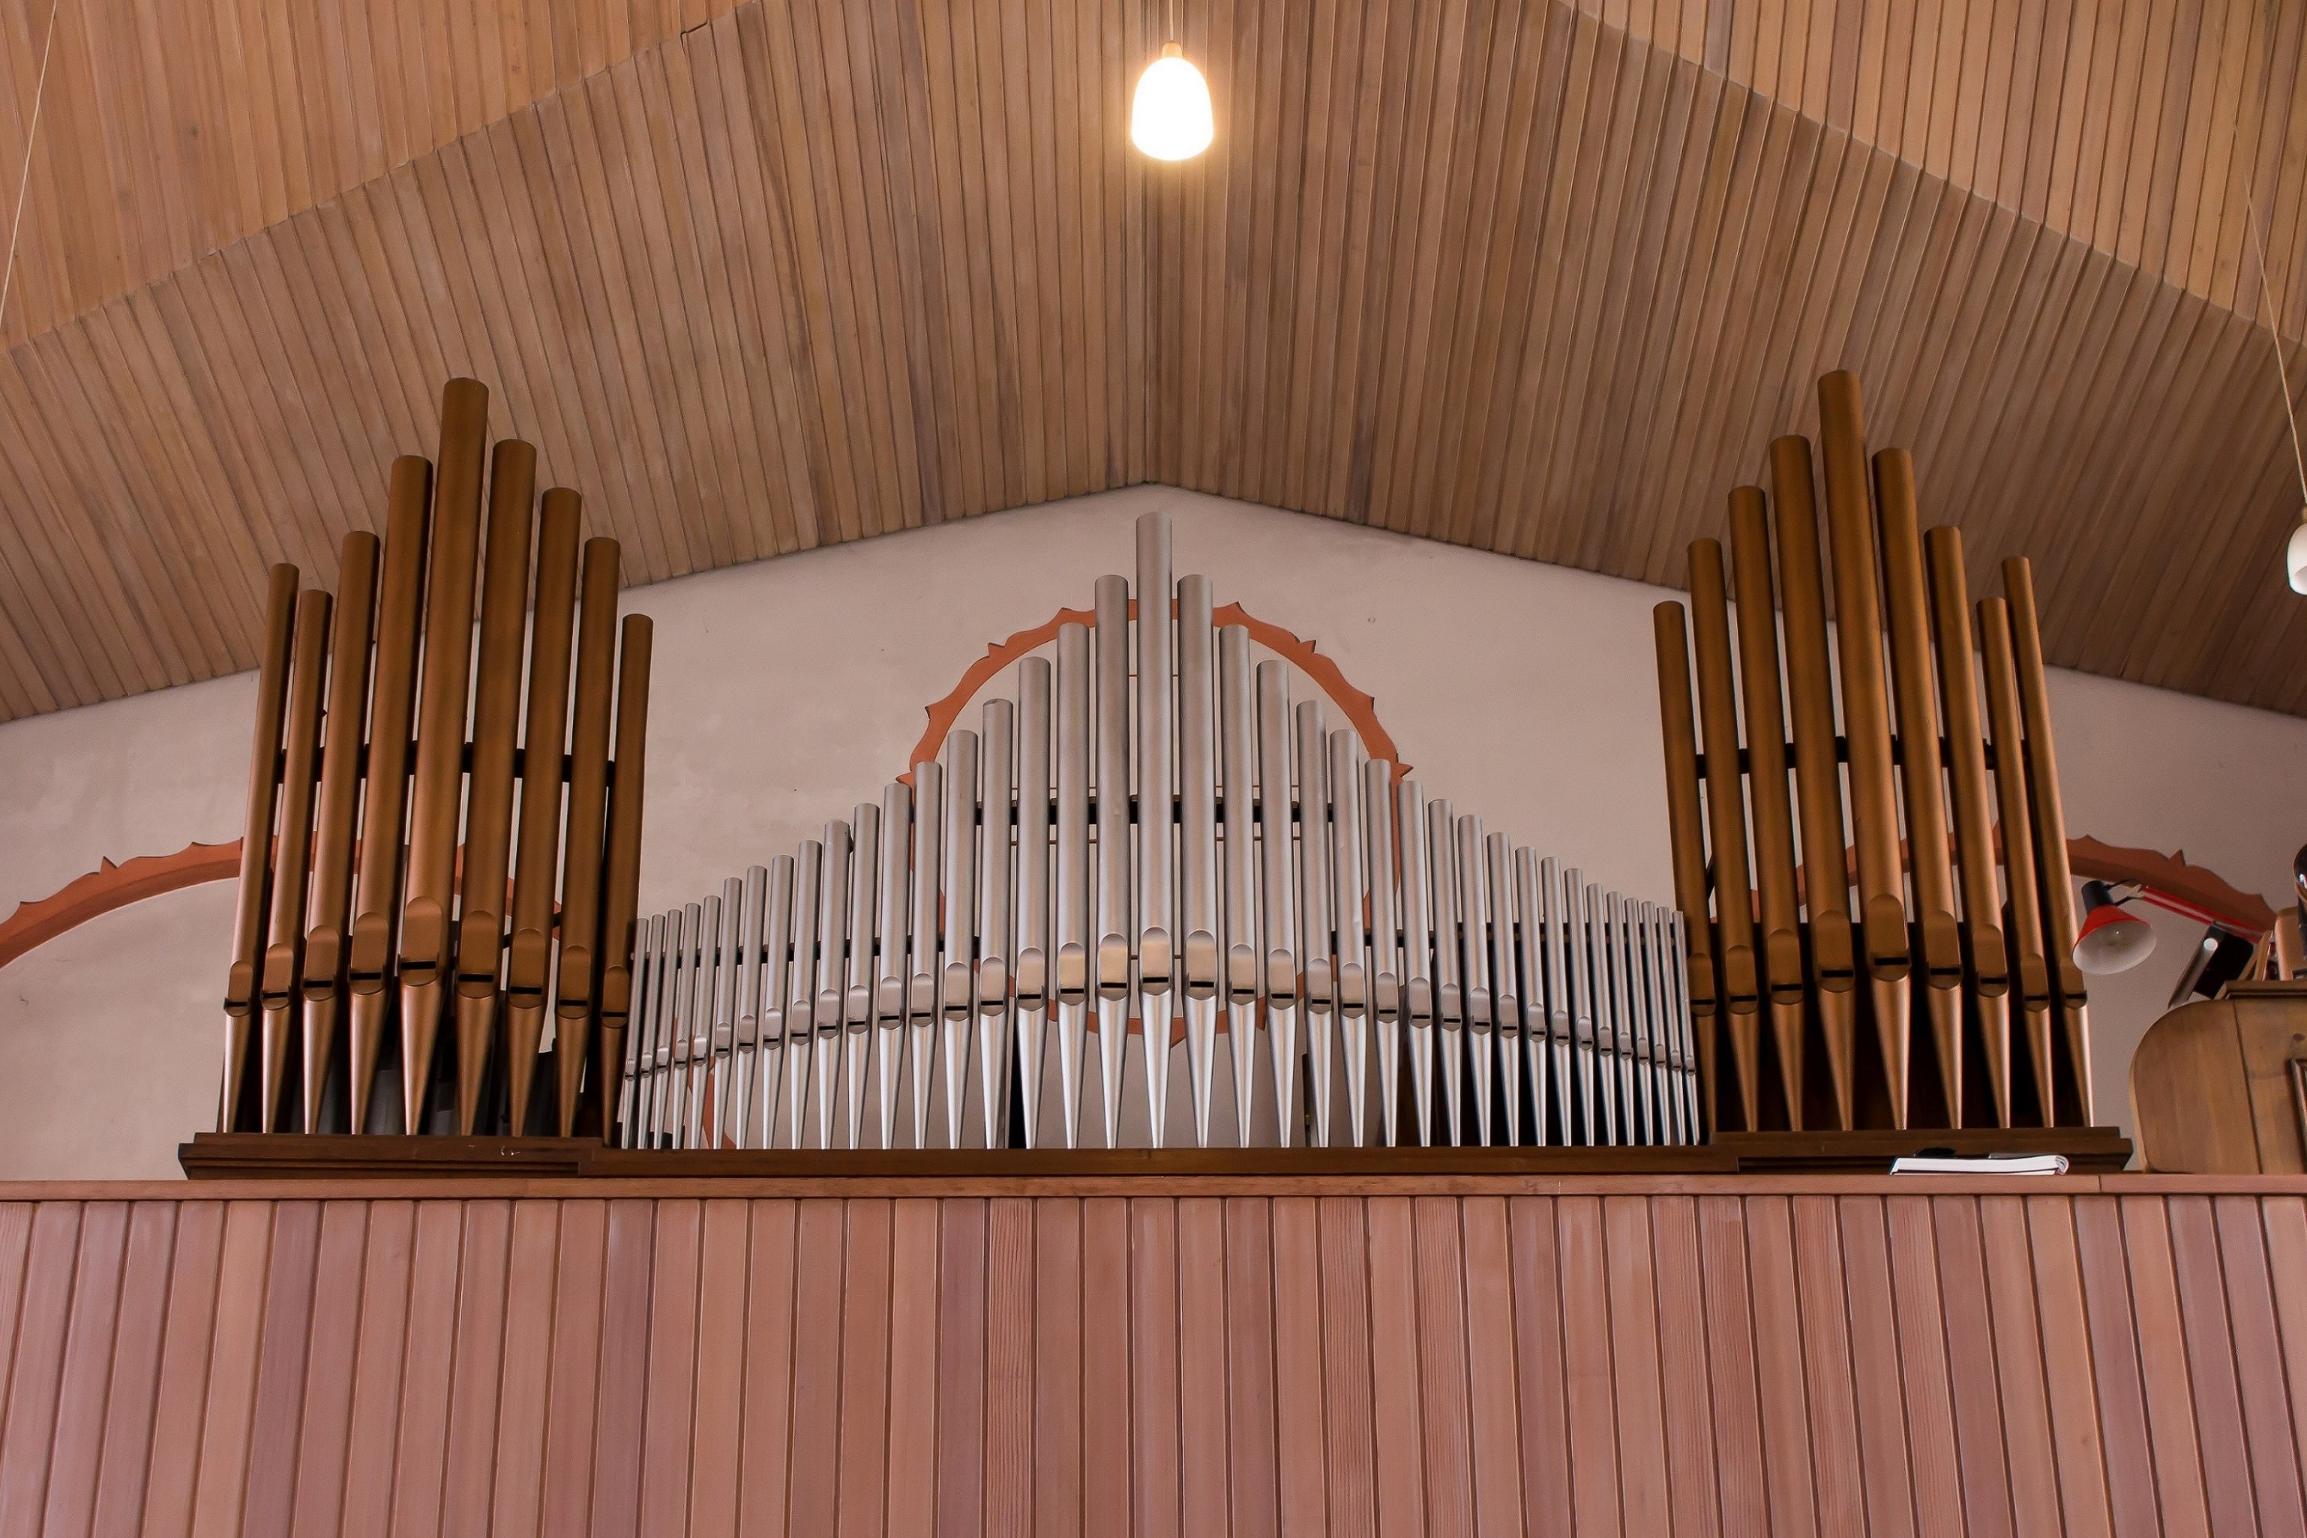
(1539, 278)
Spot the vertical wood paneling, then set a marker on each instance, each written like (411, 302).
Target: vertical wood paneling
(1239, 1364)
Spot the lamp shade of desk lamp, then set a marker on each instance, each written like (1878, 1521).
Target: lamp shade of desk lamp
(2112, 938)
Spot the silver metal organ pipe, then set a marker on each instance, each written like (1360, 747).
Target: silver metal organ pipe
(1505, 993)
(1449, 988)
(1418, 1001)
(1197, 782)
(1277, 855)
(1035, 835)
(892, 933)
(1385, 965)
(1352, 978)
(1561, 1032)
(1316, 943)
(864, 945)
(776, 997)
(690, 1032)
(1530, 956)
(745, 1044)
(832, 959)
(1107, 938)
(725, 978)
(997, 796)
(1478, 989)
(1580, 926)
(801, 994)
(1237, 742)
(921, 987)
(640, 1050)
(1156, 781)
(958, 861)
(1074, 958)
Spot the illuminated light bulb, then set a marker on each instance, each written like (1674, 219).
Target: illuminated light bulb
(1169, 117)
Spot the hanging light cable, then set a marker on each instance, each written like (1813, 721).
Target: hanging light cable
(1169, 116)
(2295, 554)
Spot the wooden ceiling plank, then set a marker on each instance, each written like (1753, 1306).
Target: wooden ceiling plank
(1337, 96)
(1257, 287)
(1369, 272)
(1531, 102)
(41, 590)
(1660, 142)
(1606, 450)
(1504, 510)
(1290, 186)
(866, 149)
(635, 294)
(170, 495)
(110, 566)
(936, 165)
(999, 71)
(652, 229)
(1064, 423)
(571, 130)
(668, 208)
(1464, 157)
(1080, 343)
(1564, 272)
(778, 468)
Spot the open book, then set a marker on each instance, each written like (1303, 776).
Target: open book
(1992, 1164)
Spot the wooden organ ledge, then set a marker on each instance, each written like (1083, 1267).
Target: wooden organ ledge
(1164, 1354)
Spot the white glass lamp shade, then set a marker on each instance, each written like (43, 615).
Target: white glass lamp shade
(2295, 558)
(1169, 117)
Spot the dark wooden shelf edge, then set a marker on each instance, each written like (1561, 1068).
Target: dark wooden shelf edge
(2089, 1150)
(299, 1156)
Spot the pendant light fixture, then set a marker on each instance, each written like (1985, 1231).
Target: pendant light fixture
(1169, 117)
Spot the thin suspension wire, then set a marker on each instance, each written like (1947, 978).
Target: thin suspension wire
(2259, 252)
(24, 174)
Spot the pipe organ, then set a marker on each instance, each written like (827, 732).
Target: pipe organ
(387, 913)
(1910, 994)
(1147, 848)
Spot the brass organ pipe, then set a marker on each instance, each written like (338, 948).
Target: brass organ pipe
(576, 981)
(2050, 824)
(292, 851)
(1974, 845)
(621, 868)
(248, 921)
(1818, 781)
(328, 913)
(1726, 825)
(1768, 790)
(1915, 680)
(2024, 910)
(528, 959)
(489, 804)
(425, 940)
(1685, 831)
(384, 802)
(1866, 725)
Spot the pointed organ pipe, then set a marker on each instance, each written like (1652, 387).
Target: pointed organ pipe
(369, 980)
(328, 910)
(1237, 734)
(1036, 838)
(1783, 982)
(1983, 953)
(1072, 987)
(1198, 842)
(1278, 891)
(426, 940)
(996, 896)
(1914, 680)
(1316, 941)
(1832, 960)
(1106, 983)
(529, 955)
(292, 851)
(245, 981)
(577, 980)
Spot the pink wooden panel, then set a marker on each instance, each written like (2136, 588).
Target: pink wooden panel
(1231, 1364)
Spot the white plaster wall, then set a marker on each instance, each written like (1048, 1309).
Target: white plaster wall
(786, 691)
